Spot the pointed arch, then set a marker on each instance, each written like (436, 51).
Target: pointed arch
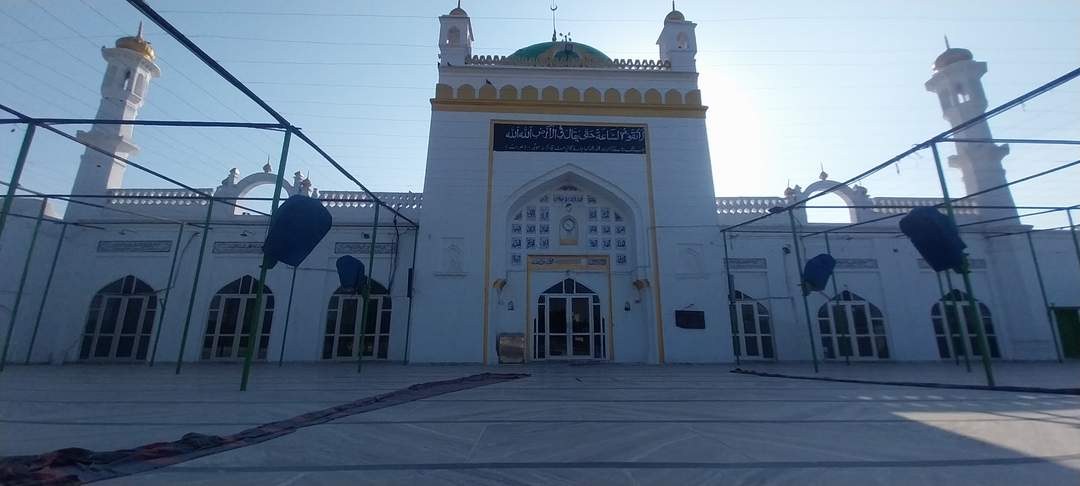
(569, 209)
(954, 326)
(550, 93)
(852, 327)
(673, 97)
(487, 92)
(612, 95)
(226, 335)
(652, 97)
(466, 92)
(508, 92)
(592, 95)
(120, 321)
(530, 93)
(633, 96)
(571, 94)
(444, 91)
(569, 323)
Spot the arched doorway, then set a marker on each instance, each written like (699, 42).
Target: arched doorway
(569, 323)
(852, 327)
(946, 312)
(751, 328)
(227, 324)
(120, 321)
(345, 333)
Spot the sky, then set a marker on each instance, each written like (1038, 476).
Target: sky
(793, 87)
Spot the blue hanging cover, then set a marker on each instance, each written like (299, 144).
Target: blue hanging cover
(351, 273)
(816, 273)
(296, 229)
(936, 238)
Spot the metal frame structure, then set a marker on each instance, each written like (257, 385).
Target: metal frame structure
(289, 131)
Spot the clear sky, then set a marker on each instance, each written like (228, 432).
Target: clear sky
(792, 86)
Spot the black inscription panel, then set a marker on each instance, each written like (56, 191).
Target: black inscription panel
(569, 138)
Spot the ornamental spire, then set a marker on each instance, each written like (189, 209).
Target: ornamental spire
(554, 7)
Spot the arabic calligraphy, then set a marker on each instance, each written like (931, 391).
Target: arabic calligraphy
(569, 138)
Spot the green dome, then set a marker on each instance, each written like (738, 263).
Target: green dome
(560, 54)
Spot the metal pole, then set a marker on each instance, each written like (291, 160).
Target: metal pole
(408, 320)
(22, 282)
(737, 344)
(13, 184)
(255, 324)
(366, 292)
(802, 281)
(168, 288)
(45, 293)
(836, 295)
(1046, 302)
(288, 312)
(983, 348)
(963, 325)
(195, 283)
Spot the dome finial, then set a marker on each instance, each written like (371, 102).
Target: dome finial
(947, 42)
(823, 175)
(554, 7)
(137, 43)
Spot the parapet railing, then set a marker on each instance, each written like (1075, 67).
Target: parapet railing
(899, 205)
(357, 199)
(624, 64)
(156, 197)
(747, 205)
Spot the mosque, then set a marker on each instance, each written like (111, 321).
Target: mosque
(595, 234)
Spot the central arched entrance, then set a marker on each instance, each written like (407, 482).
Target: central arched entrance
(569, 323)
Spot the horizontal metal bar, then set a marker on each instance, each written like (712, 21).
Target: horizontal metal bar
(1013, 140)
(161, 123)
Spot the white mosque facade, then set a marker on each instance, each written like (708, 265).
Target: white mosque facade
(568, 213)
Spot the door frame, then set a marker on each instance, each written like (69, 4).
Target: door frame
(850, 335)
(117, 333)
(242, 317)
(598, 263)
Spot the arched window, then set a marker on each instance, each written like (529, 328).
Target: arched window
(852, 327)
(568, 323)
(951, 343)
(570, 218)
(120, 321)
(227, 323)
(682, 41)
(751, 328)
(345, 333)
(453, 37)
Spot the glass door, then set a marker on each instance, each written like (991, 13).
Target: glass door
(568, 323)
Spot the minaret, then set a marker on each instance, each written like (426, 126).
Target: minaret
(123, 91)
(956, 81)
(677, 42)
(455, 37)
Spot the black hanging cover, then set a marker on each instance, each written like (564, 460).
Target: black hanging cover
(816, 273)
(297, 227)
(936, 238)
(351, 273)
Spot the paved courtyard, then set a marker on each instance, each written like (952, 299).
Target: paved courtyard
(593, 424)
